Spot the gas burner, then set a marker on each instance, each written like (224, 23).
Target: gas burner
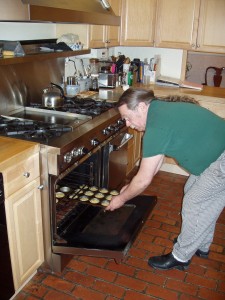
(82, 106)
(31, 130)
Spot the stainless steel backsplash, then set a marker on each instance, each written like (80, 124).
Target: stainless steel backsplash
(23, 83)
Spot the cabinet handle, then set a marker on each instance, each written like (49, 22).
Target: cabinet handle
(26, 174)
(41, 187)
(107, 42)
(193, 45)
(198, 46)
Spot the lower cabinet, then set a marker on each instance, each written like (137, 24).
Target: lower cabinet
(24, 224)
(134, 149)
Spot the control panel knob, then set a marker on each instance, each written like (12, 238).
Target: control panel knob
(82, 150)
(68, 157)
(75, 152)
(111, 128)
(105, 131)
(95, 142)
(121, 122)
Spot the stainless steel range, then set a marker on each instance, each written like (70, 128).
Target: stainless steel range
(83, 153)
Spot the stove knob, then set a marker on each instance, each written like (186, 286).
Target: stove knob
(105, 131)
(82, 150)
(95, 142)
(110, 128)
(75, 152)
(121, 122)
(68, 157)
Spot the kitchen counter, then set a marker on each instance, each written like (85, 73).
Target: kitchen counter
(13, 151)
(213, 93)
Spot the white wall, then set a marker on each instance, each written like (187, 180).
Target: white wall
(171, 59)
(26, 31)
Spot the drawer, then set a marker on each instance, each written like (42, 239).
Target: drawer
(20, 174)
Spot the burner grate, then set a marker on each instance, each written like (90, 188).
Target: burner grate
(31, 130)
(82, 106)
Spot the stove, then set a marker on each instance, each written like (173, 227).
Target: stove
(82, 106)
(30, 129)
(83, 143)
(48, 125)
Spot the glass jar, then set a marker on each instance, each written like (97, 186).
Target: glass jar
(94, 66)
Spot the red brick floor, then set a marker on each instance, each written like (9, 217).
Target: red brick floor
(90, 278)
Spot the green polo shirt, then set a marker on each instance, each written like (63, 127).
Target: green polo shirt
(189, 133)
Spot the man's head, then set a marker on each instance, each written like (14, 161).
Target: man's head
(133, 106)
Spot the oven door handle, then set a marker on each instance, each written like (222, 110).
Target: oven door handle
(126, 138)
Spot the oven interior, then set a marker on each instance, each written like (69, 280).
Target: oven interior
(80, 226)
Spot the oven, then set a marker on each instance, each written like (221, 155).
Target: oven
(83, 163)
(78, 197)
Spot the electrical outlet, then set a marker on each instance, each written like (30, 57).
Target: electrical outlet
(104, 54)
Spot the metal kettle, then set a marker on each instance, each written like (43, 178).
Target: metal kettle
(53, 96)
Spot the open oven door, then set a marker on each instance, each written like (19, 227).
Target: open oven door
(116, 160)
(93, 231)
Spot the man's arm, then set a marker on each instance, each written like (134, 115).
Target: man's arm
(148, 168)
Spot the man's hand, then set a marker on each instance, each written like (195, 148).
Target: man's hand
(115, 203)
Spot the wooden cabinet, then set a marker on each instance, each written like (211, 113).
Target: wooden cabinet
(19, 164)
(192, 25)
(101, 36)
(138, 22)
(134, 149)
(24, 225)
(176, 22)
(211, 37)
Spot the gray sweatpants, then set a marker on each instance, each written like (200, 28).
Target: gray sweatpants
(204, 200)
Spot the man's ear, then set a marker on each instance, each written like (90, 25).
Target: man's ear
(142, 106)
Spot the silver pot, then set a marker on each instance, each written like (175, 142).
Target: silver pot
(53, 96)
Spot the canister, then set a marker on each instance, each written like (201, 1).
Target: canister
(94, 65)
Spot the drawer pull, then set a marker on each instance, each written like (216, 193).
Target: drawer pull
(26, 174)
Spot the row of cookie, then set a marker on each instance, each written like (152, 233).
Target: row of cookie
(101, 193)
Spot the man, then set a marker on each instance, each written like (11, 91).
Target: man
(178, 127)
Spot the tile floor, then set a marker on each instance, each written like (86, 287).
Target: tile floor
(90, 278)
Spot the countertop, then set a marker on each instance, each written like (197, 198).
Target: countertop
(14, 150)
(208, 93)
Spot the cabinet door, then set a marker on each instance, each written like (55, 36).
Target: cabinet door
(138, 22)
(176, 23)
(97, 36)
(134, 149)
(24, 225)
(113, 32)
(101, 36)
(211, 35)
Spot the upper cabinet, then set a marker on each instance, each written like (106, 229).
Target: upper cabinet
(211, 37)
(176, 23)
(192, 25)
(101, 36)
(13, 10)
(138, 23)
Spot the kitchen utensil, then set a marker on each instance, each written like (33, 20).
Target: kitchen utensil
(53, 96)
(71, 80)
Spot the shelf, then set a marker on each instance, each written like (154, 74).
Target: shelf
(40, 57)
